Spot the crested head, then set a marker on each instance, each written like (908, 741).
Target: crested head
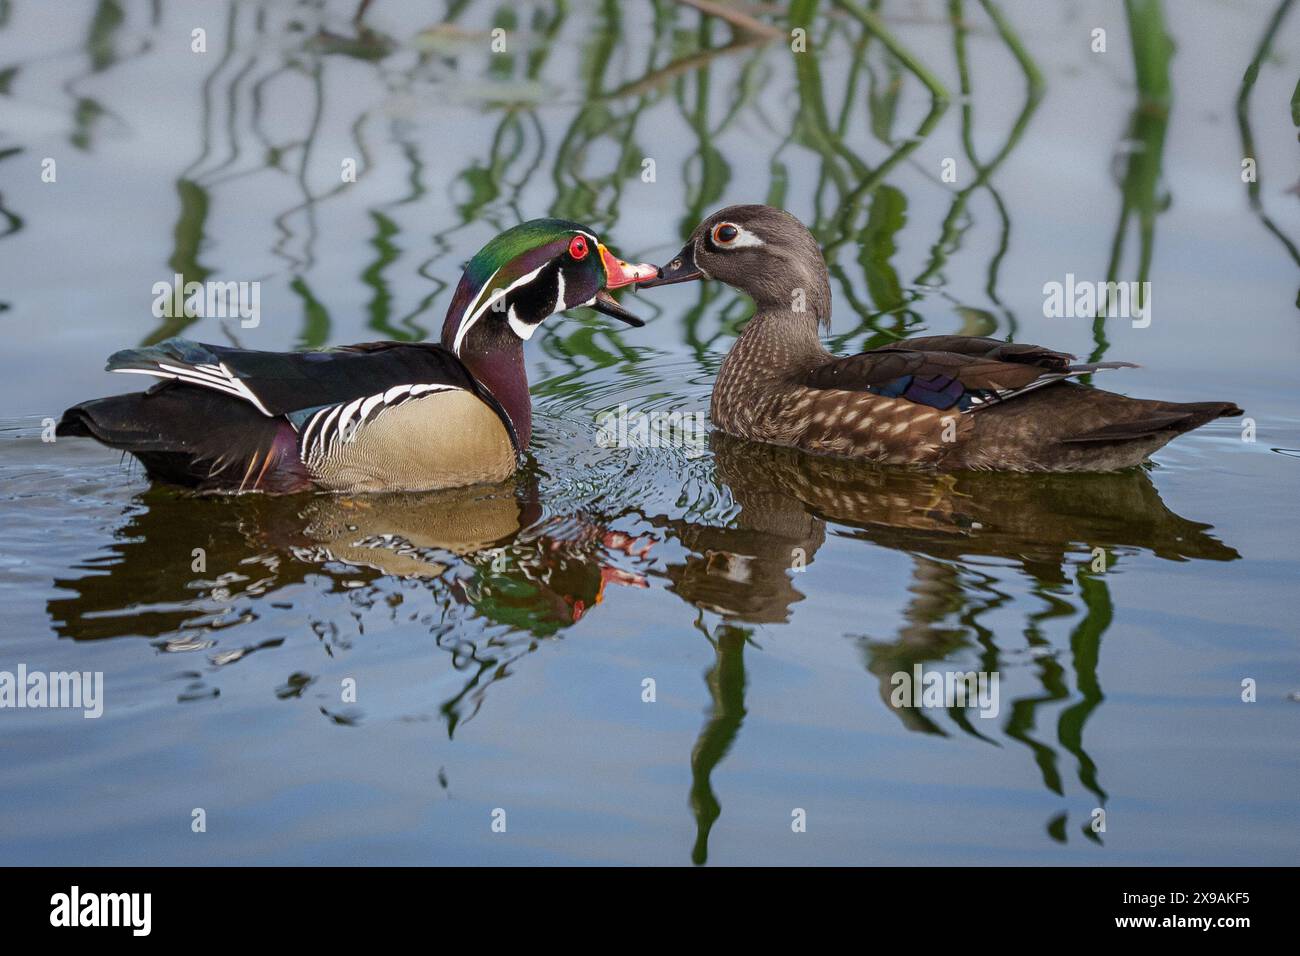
(764, 252)
(529, 272)
(512, 284)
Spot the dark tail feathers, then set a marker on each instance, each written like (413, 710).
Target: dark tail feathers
(193, 436)
(1171, 417)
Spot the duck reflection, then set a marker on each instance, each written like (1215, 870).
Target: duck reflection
(1053, 529)
(184, 568)
(491, 576)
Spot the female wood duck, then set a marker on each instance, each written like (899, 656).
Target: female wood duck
(948, 401)
(379, 416)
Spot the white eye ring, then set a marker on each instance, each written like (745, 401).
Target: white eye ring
(717, 236)
(742, 238)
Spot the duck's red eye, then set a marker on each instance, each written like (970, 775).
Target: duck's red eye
(578, 247)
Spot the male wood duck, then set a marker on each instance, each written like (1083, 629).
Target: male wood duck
(947, 401)
(379, 416)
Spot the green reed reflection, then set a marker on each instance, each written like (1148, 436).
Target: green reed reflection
(492, 577)
(1144, 145)
(12, 222)
(1049, 527)
(598, 152)
(951, 236)
(1247, 135)
(593, 197)
(726, 683)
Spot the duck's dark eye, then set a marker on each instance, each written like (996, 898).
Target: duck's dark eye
(578, 247)
(725, 232)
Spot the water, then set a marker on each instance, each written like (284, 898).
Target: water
(500, 639)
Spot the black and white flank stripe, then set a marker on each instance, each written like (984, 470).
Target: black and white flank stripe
(325, 428)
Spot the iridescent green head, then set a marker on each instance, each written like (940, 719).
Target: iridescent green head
(533, 270)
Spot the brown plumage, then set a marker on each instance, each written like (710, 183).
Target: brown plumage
(947, 401)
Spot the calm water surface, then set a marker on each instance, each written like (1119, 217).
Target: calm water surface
(500, 639)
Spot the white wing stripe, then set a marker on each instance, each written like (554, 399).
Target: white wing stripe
(193, 373)
(999, 395)
(207, 376)
(245, 390)
(216, 386)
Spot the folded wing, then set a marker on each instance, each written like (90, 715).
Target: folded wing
(952, 371)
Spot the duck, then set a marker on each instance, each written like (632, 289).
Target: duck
(949, 402)
(371, 417)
